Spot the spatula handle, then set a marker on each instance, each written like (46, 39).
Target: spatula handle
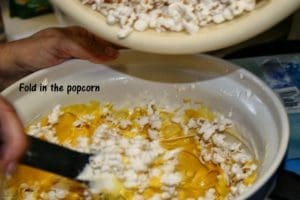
(54, 158)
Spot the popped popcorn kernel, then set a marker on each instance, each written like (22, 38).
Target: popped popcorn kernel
(168, 15)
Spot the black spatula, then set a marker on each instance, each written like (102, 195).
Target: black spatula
(53, 158)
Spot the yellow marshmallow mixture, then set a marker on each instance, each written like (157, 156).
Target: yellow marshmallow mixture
(145, 152)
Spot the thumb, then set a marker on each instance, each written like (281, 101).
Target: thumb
(12, 136)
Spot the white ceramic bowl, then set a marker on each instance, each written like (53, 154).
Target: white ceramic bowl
(257, 112)
(212, 37)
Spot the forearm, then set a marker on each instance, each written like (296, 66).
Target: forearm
(51, 47)
(10, 71)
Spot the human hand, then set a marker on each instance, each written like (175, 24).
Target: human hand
(12, 137)
(46, 48)
(50, 47)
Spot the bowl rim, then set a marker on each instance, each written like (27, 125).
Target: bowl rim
(285, 130)
(209, 38)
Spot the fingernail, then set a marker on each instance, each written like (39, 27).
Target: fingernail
(10, 169)
(111, 51)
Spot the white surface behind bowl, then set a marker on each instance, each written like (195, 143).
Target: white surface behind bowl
(136, 77)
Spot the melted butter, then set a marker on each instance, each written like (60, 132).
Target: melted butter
(197, 177)
(42, 181)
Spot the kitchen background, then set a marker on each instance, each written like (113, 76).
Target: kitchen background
(283, 38)
(12, 28)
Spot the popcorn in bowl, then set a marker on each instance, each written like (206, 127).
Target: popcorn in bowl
(143, 152)
(168, 15)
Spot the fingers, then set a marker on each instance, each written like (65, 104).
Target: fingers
(86, 45)
(53, 46)
(12, 136)
(76, 42)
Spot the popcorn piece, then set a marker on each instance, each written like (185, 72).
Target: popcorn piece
(218, 140)
(171, 179)
(53, 117)
(153, 134)
(172, 154)
(83, 144)
(138, 197)
(124, 32)
(207, 130)
(125, 123)
(134, 160)
(192, 123)
(155, 197)
(168, 15)
(85, 119)
(210, 194)
(57, 192)
(48, 132)
(241, 157)
(143, 121)
(45, 82)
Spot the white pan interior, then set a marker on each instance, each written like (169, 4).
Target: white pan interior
(136, 77)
